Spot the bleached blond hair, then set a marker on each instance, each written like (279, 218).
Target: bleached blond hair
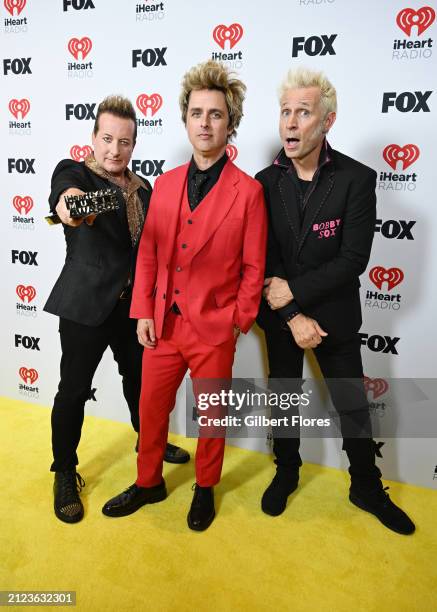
(213, 75)
(303, 77)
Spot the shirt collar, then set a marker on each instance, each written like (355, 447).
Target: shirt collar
(285, 162)
(212, 172)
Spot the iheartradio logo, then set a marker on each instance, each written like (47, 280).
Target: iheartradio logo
(28, 375)
(19, 106)
(392, 276)
(26, 293)
(82, 46)
(231, 34)
(22, 205)
(407, 155)
(422, 18)
(231, 152)
(80, 153)
(375, 386)
(15, 5)
(146, 103)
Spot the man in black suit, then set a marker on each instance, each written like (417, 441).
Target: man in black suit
(93, 292)
(322, 210)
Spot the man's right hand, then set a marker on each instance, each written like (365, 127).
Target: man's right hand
(307, 333)
(63, 212)
(146, 333)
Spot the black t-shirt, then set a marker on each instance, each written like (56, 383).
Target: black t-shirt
(304, 186)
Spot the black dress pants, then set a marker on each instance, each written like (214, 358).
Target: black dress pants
(82, 351)
(338, 359)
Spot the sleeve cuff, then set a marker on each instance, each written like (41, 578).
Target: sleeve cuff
(289, 311)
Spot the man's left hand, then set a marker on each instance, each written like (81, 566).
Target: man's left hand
(277, 292)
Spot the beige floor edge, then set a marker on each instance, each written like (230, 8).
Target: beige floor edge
(321, 554)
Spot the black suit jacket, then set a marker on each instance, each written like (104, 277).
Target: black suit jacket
(99, 259)
(322, 251)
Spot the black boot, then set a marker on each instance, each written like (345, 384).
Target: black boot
(378, 502)
(202, 511)
(66, 489)
(274, 500)
(364, 472)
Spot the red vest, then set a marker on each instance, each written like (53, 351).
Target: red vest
(182, 254)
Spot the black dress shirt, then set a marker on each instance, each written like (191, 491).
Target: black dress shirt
(197, 189)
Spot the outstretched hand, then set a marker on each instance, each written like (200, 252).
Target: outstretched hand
(63, 212)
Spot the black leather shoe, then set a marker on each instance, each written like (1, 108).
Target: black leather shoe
(133, 498)
(378, 502)
(173, 454)
(202, 511)
(66, 489)
(274, 500)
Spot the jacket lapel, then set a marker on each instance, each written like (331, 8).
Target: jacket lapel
(316, 200)
(289, 204)
(173, 201)
(216, 205)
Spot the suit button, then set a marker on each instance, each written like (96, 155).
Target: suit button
(163, 297)
(177, 291)
(189, 222)
(184, 246)
(178, 269)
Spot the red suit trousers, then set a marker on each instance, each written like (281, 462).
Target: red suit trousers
(164, 368)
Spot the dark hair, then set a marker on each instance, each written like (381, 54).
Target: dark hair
(118, 106)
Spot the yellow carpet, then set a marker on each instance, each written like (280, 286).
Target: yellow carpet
(321, 554)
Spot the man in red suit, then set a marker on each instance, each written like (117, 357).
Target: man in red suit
(198, 283)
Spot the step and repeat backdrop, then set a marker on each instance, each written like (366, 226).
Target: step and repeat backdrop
(59, 58)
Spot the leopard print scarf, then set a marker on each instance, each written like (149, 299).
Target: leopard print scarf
(134, 205)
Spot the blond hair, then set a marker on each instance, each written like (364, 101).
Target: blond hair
(118, 106)
(213, 75)
(303, 77)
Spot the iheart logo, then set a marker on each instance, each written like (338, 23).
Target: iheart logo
(17, 5)
(19, 106)
(80, 153)
(377, 386)
(407, 155)
(29, 375)
(231, 34)
(26, 293)
(22, 205)
(150, 103)
(408, 17)
(231, 152)
(83, 46)
(391, 276)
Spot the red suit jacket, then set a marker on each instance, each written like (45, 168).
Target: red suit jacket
(225, 254)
